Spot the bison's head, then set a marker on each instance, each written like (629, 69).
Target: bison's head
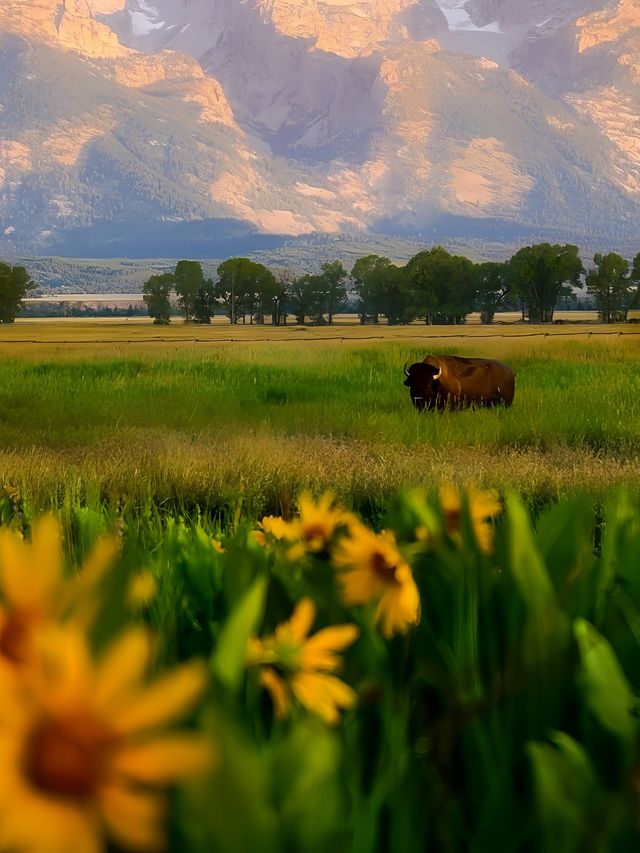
(423, 382)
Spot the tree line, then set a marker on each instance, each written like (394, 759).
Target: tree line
(434, 286)
(244, 289)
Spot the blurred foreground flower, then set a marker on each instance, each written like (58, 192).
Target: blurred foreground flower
(33, 587)
(81, 755)
(141, 590)
(296, 665)
(371, 568)
(217, 546)
(313, 529)
(482, 507)
(272, 527)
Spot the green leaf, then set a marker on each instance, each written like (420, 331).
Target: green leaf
(564, 535)
(312, 798)
(546, 626)
(232, 809)
(566, 790)
(527, 565)
(607, 691)
(228, 659)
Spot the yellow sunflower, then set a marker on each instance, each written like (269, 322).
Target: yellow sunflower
(371, 568)
(317, 524)
(82, 756)
(483, 506)
(311, 531)
(141, 590)
(271, 528)
(33, 587)
(294, 665)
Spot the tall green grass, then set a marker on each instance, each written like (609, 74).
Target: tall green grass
(506, 719)
(264, 421)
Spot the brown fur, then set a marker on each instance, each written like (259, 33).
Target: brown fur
(462, 382)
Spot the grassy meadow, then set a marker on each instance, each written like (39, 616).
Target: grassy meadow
(443, 653)
(111, 412)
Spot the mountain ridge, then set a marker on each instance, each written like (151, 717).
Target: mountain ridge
(232, 122)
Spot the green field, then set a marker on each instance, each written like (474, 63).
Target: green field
(406, 665)
(110, 412)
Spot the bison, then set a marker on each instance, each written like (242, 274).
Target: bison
(453, 382)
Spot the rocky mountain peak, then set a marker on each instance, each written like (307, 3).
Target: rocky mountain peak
(71, 24)
(209, 117)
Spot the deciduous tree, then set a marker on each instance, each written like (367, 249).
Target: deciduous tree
(332, 286)
(610, 285)
(189, 279)
(634, 276)
(246, 287)
(372, 279)
(15, 283)
(540, 273)
(440, 286)
(155, 295)
(306, 298)
(492, 286)
(205, 303)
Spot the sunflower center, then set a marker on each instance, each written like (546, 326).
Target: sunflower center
(14, 637)
(452, 520)
(314, 532)
(66, 757)
(287, 658)
(383, 569)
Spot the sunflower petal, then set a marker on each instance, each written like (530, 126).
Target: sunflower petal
(399, 607)
(38, 823)
(122, 666)
(169, 698)
(359, 586)
(30, 573)
(302, 620)
(278, 691)
(323, 695)
(101, 556)
(165, 759)
(135, 819)
(319, 652)
(62, 666)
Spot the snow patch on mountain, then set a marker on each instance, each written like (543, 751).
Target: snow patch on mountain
(145, 19)
(458, 18)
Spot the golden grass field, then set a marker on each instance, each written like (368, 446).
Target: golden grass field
(218, 416)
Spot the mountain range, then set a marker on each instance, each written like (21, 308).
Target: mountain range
(204, 128)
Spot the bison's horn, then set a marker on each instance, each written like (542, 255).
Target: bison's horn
(406, 369)
(438, 374)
